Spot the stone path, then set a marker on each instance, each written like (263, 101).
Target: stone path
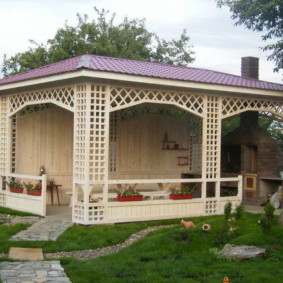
(48, 229)
(32, 272)
(95, 253)
(11, 220)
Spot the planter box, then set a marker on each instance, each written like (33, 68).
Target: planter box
(129, 198)
(17, 190)
(34, 193)
(181, 196)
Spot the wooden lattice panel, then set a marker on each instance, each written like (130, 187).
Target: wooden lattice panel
(2, 199)
(211, 207)
(96, 213)
(3, 133)
(78, 213)
(81, 133)
(233, 106)
(14, 141)
(122, 97)
(212, 138)
(63, 97)
(99, 133)
(195, 145)
(113, 142)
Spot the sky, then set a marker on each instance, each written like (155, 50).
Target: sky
(218, 43)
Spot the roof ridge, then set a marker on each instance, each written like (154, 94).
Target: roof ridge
(84, 62)
(176, 66)
(42, 67)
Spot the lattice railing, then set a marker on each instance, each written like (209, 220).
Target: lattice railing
(233, 106)
(212, 138)
(3, 133)
(122, 97)
(63, 97)
(13, 143)
(81, 135)
(99, 133)
(2, 199)
(113, 142)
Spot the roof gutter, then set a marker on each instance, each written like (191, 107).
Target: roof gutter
(83, 73)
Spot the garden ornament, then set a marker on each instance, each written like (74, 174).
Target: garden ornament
(206, 227)
(42, 170)
(226, 280)
(188, 224)
(277, 198)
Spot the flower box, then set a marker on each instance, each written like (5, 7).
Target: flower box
(34, 192)
(181, 196)
(17, 190)
(129, 198)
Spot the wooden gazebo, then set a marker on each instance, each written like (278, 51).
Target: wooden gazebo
(100, 124)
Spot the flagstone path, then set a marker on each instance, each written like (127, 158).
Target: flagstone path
(48, 229)
(32, 272)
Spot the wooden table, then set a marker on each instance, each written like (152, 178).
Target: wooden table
(51, 187)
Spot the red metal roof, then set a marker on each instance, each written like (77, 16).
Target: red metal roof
(141, 68)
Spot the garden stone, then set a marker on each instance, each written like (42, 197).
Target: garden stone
(242, 252)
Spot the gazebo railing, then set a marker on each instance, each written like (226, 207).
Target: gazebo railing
(86, 212)
(23, 201)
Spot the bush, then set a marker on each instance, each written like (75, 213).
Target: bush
(239, 211)
(227, 210)
(267, 219)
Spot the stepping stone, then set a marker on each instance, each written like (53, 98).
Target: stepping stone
(25, 254)
(242, 252)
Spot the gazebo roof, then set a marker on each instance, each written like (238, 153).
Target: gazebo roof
(141, 68)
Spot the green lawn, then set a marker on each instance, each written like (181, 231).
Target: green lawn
(168, 255)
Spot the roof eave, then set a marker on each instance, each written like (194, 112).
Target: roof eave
(84, 73)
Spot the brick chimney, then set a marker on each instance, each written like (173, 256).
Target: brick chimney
(250, 67)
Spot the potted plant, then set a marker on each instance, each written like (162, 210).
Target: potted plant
(183, 192)
(33, 190)
(15, 186)
(129, 194)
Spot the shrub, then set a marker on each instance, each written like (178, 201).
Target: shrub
(267, 219)
(227, 210)
(239, 211)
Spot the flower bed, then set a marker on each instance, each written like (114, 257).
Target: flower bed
(34, 193)
(181, 196)
(130, 198)
(16, 190)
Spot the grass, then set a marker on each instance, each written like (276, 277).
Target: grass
(183, 255)
(4, 210)
(168, 255)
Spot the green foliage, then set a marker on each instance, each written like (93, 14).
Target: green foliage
(229, 125)
(184, 189)
(31, 187)
(267, 219)
(15, 183)
(262, 16)
(101, 36)
(227, 210)
(268, 124)
(272, 126)
(239, 210)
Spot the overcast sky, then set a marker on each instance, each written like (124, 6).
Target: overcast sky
(218, 43)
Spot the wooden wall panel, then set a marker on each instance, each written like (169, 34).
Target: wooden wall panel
(139, 147)
(46, 138)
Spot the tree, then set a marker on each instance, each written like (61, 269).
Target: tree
(261, 15)
(128, 39)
